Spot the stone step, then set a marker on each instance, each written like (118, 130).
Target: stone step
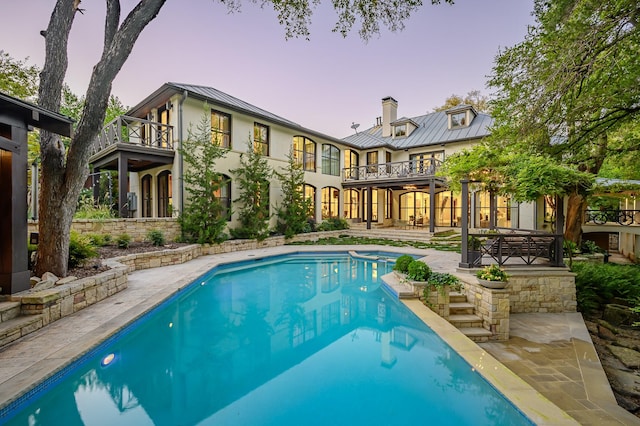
(477, 334)
(465, 320)
(456, 297)
(461, 308)
(18, 327)
(9, 310)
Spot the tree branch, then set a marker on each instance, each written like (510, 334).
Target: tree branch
(111, 23)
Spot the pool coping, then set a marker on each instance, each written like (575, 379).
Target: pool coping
(532, 403)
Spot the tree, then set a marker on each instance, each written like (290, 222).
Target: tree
(204, 217)
(474, 98)
(252, 178)
(64, 172)
(18, 79)
(569, 88)
(294, 211)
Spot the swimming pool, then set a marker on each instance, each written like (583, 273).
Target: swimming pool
(287, 340)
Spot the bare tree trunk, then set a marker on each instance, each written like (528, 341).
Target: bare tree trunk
(574, 218)
(63, 176)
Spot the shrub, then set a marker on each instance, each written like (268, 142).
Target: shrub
(333, 224)
(589, 247)
(418, 271)
(402, 263)
(123, 241)
(600, 284)
(438, 279)
(156, 237)
(99, 240)
(80, 249)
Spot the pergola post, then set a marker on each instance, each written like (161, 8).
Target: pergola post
(559, 255)
(369, 206)
(464, 244)
(493, 207)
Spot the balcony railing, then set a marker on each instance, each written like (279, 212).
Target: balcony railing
(395, 170)
(622, 217)
(515, 248)
(135, 131)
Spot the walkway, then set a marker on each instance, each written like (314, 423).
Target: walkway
(551, 352)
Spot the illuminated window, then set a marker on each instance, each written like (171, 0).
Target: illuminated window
(330, 160)
(220, 129)
(330, 202)
(304, 153)
(261, 139)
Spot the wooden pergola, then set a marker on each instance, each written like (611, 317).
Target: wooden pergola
(17, 117)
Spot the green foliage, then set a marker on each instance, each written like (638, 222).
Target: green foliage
(294, 212)
(440, 280)
(87, 209)
(603, 283)
(492, 273)
(156, 237)
(418, 271)
(123, 241)
(204, 217)
(80, 249)
(474, 243)
(474, 98)
(402, 263)
(99, 240)
(18, 79)
(589, 247)
(333, 224)
(252, 178)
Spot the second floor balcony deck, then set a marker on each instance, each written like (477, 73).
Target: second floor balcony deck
(398, 172)
(132, 132)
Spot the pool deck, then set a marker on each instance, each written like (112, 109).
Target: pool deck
(549, 357)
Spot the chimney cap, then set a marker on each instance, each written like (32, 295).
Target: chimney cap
(389, 98)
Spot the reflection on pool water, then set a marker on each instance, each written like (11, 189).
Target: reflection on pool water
(291, 340)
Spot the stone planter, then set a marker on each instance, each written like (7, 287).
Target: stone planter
(493, 284)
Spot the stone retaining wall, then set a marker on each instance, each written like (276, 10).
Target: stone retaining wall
(542, 290)
(492, 306)
(137, 229)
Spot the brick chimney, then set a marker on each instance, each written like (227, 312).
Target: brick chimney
(389, 114)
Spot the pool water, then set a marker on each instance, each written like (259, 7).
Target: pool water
(293, 340)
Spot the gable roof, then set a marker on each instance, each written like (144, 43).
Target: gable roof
(220, 98)
(432, 129)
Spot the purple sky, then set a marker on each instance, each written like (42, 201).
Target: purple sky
(324, 84)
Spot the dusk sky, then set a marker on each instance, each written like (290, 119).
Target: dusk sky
(324, 84)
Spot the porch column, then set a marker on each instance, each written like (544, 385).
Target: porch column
(493, 206)
(464, 244)
(123, 185)
(432, 205)
(369, 206)
(558, 258)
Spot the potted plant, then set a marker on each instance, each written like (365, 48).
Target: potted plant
(492, 276)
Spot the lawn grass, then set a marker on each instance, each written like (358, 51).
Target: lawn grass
(349, 240)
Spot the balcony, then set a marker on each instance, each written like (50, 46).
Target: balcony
(399, 173)
(134, 132)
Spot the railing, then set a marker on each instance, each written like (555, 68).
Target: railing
(395, 170)
(518, 248)
(135, 131)
(622, 217)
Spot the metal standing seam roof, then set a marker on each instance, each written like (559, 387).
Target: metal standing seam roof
(432, 130)
(218, 97)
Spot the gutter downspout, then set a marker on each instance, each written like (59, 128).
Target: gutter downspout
(181, 162)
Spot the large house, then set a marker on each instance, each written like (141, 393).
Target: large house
(384, 175)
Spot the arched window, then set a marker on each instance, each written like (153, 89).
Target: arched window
(374, 205)
(330, 202)
(351, 163)
(351, 204)
(330, 160)
(304, 153)
(414, 207)
(223, 194)
(165, 192)
(146, 196)
(310, 194)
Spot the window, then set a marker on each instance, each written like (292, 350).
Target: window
(310, 194)
(388, 199)
(304, 153)
(372, 159)
(223, 194)
(220, 129)
(330, 160)
(330, 202)
(351, 163)
(165, 191)
(459, 119)
(400, 130)
(261, 139)
(421, 163)
(146, 196)
(163, 131)
(414, 207)
(351, 204)
(374, 205)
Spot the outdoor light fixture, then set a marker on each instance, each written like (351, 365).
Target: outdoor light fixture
(410, 187)
(108, 359)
